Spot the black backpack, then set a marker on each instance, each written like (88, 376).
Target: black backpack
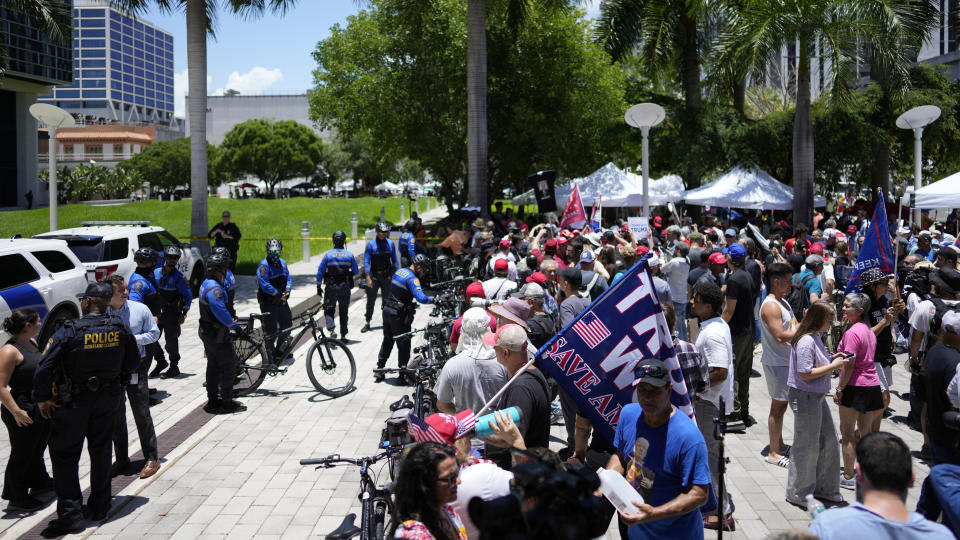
(798, 297)
(933, 336)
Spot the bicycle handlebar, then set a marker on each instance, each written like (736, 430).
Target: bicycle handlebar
(408, 371)
(335, 459)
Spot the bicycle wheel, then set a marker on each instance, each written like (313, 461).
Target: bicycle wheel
(330, 367)
(250, 361)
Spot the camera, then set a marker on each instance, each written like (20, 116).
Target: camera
(547, 502)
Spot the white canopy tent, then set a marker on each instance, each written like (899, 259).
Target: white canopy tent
(345, 185)
(743, 187)
(663, 190)
(387, 186)
(941, 194)
(608, 181)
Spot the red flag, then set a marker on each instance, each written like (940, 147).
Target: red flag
(573, 213)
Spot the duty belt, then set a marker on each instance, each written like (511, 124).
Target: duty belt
(392, 304)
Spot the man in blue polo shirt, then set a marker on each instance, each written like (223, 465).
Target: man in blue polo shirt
(662, 454)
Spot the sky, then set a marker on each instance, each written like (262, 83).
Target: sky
(269, 55)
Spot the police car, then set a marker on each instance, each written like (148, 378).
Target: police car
(43, 275)
(107, 247)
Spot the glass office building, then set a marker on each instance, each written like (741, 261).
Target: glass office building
(122, 68)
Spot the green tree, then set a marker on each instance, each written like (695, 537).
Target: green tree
(271, 151)
(834, 32)
(201, 20)
(166, 164)
(396, 84)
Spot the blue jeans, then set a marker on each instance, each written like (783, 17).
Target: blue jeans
(941, 494)
(681, 310)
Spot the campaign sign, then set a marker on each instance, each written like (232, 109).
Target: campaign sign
(594, 357)
(639, 226)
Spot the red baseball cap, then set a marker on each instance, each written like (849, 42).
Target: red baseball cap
(717, 258)
(505, 243)
(852, 229)
(658, 221)
(537, 277)
(475, 289)
(642, 250)
(450, 427)
(501, 265)
(816, 249)
(550, 246)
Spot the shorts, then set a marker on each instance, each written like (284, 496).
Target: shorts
(776, 378)
(862, 399)
(885, 374)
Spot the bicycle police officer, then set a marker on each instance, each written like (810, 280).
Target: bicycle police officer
(175, 298)
(216, 329)
(229, 281)
(275, 287)
(398, 311)
(379, 263)
(82, 368)
(408, 243)
(143, 289)
(337, 268)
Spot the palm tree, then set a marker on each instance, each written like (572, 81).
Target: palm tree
(836, 32)
(201, 20)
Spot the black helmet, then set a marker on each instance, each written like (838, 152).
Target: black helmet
(217, 262)
(172, 251)
(410, 225)
(220, 250)
(145, 255)
(339, 239)
(422, 261)
(383, 227)
(274, 248)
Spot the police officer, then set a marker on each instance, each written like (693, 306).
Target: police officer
(275, 285)
(82, 368)
(216, 329)
(398, 310)
(143, 289)
(408, 243)
(379, 263)
(229, 281)
(175, 299)
(337, 268)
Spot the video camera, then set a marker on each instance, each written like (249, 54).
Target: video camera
(547, 502)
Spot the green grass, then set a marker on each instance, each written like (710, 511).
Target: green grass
(258, 220)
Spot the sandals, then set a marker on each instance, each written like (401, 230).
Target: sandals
(784, 461)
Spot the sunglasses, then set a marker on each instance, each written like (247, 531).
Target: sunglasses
(274, 251)
(450, 479)
(656, 372)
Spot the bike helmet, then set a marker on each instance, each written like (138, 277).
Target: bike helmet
(339, 239)
(410, 225)
(172, 251)
(274, 248)
(145, 255)
(220, 250)
(217, 262)
(383, 227)
(422, 261)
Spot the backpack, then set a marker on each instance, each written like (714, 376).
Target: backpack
(933, 336)
(798, 297)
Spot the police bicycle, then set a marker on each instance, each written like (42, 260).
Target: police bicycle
(424, 377)
(375, 502)
(330, 363)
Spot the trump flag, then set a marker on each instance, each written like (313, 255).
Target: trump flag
(593, 359)
(573, 213)
(877, 250)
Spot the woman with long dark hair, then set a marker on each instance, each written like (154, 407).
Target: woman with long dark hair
(19, 357)
(425, 487)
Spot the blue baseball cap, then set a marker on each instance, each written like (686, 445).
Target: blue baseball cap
(736, 251)
(730, 232)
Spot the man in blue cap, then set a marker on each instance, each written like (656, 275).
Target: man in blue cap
(738, 313)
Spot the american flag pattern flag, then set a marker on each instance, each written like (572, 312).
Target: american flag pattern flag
(466, 426)
(422, 431)
(591, 330)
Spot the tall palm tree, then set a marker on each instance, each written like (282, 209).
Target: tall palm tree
(836, 32)
(201, 20)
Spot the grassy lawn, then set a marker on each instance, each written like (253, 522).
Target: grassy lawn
(258, 220)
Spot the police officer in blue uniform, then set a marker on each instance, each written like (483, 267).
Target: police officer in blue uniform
(175, 298)
(399, 308)
(82, 369)
(337, 269)
(143, 289)
(229, 281)
(379, 263)
(275, 286)
(216, 329)
(408, 243)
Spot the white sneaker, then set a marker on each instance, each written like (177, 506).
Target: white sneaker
(847, 483)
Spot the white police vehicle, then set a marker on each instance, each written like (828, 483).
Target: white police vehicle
(107, 247)
(43, 275)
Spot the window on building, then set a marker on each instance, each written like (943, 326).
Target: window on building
(93, 150)
(68, 150)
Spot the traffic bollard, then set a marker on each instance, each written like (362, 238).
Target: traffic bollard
(402, 213)
(353, 226)
(383, 213)
(416, 205)
(305, 234)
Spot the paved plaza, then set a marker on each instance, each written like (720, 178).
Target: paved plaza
(238, 476)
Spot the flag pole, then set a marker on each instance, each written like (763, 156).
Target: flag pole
(502, 390)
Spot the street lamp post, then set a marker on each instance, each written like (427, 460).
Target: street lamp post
(644, 116)
(916, 119)
(54, 118)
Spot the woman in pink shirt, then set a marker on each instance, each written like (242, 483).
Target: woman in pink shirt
(858, 392)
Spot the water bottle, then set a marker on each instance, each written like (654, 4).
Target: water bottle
(483, 428)
(814, 506)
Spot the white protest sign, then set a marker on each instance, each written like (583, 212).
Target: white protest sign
(639, 226)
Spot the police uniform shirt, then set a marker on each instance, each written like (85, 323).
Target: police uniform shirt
(171, 285)
(268, 277)
(337, 266)
(213, 304)
(382, 251)
(408, 245)
(144, 290)
(405, 288)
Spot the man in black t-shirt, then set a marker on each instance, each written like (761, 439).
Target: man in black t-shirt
(227, 234)
(738, 313)
(941, 365)
(529, 391)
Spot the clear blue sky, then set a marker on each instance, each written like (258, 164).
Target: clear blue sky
(271, 54)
